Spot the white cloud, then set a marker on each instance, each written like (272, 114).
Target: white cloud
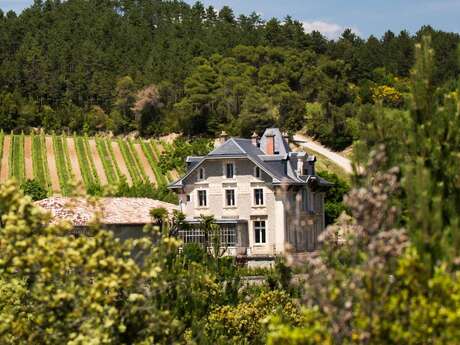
(330, 30)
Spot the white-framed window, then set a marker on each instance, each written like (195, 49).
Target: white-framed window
(229, 170)
(257, 172)
(202, 198)
(230, 199)
(259, 197)
(201, 174)
(260, 232)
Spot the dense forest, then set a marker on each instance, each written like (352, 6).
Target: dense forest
(161, 66)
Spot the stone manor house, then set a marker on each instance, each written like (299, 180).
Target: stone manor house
(264, 197)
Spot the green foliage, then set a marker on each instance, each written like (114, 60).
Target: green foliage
(280, 277)
(39, 161)
(109, 146)
(64, 169)
(51, 280)
(331, 125)
(151, 157)
(16, 159)
(174, 155)
(54, 281)
(333, 198)
(130, 161)
(389, 274)
(246, 323)
(144, 190)
(137, 161)
(85, 161)
(208, 72)
(108, 164)
(34, 189)
(193, 252)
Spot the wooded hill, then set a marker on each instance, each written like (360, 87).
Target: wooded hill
(161, 66)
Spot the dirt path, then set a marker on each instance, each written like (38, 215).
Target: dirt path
(4, 168)
(97, 162)
(28, 163)
(74, 160)
(145, 163)
(52, 167)
(307, 143)
(121, 162)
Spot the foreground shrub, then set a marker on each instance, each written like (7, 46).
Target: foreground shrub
(247, 323)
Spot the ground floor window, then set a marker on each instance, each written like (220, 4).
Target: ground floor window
(228, 235)
(194, 234)
(260, 232)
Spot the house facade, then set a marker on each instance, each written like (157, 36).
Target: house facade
(265, 198)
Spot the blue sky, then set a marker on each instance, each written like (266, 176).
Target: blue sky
(365, 17)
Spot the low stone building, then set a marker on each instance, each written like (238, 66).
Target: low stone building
(126, 217)
(265, 198)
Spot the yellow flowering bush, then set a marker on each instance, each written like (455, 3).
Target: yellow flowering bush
(388, 95)
(247, 322)
(59, 289)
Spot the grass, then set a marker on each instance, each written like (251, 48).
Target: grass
(325, 164)
(149, 153)
(108, 144)
(45, 163)
(64, 169)
(139, 166)
(86, 162)
(155, 145)
(39, 161)
(107, 162)
(90, 158)
(130, 161)
(17, 165)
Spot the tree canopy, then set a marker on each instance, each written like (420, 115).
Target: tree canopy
(86, 65)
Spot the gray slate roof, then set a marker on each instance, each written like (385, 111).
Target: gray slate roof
(280, 166)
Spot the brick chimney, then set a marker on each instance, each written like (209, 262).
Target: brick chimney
(223, 137)
(255, 139)
(270, 144)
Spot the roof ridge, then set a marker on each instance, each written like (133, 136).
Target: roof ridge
(238, 145)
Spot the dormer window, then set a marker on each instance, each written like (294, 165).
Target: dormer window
(257, 172)
(201, 174)
(229, 170)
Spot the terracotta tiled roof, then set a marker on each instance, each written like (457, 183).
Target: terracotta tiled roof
(112, 210)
